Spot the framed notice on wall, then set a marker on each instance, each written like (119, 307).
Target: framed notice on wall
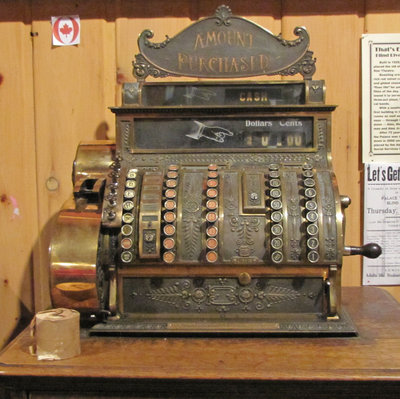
(381, 97)
(381, 155)
(382, 222)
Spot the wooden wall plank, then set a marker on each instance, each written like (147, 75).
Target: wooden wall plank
(163, 18)
(18, 199)
(382, 16)
(74, 86)
(335, 29)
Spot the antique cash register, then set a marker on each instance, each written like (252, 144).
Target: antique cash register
(216, 209)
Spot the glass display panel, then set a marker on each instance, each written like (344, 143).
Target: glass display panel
(273, 133)
(272, 94)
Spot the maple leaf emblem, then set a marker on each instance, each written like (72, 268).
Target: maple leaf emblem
(66, 30)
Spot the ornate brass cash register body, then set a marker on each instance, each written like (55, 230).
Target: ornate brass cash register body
(216, 210)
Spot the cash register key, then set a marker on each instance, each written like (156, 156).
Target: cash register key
(276, 216)
(212, 205)
(132, 173)
(127, 217)
(309, 182)
(276, 243)
(275, 193)
(310, 192)
(169, 217)
(213, 167)
(313, 256)
(171, 183)
(170, 193)
(168, 257)
(308, 173)
(126, 256)
(211, 217)
(212, 231)
(212, 243)
(212, 256)
(128, 205)
(129, 193)
(126, 230)
(168, 243)
(172, 174)
(212, 174)
(274, 166)
(212, 183)
(312, 243)
(169, 229)
(273, 174)
(277, 229)
(126, 243)
(277, 256)
(312, 229)
(212, 193)
(173, 167)
(311, 205)
(307, 166)
(170, 205)
(274, 183)
(312, 216)
(130, 184)
(276, 204)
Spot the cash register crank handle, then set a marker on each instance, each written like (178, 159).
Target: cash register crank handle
(370, 250)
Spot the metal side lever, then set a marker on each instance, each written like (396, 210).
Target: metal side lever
(370, 250)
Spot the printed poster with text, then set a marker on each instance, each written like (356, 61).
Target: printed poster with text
(380, 97)
(382, 222)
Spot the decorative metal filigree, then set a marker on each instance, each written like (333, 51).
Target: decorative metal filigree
(330, 248)
(148, 34)
(223, 296)
(328, 207)
(142, 69)
(230, 201)
(293, 206)
(298, 31)
(306, 67)
(191, 216)
(295, 250)
(244, 227)
(223, 15)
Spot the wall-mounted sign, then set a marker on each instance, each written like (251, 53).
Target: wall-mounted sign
(382, 222)
(381, 97)
(66, 30)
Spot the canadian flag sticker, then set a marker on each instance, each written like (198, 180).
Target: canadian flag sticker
(66, 30)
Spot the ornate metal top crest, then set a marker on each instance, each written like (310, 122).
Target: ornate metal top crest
(224, 46)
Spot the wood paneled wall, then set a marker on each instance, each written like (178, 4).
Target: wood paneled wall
(51, 98)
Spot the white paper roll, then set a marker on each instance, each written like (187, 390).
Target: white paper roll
(56, 333)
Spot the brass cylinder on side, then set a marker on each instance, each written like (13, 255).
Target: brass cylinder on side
(73, 254)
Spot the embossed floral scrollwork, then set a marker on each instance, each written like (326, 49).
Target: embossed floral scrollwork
(142, 69)
(223, 15)
(298, 31)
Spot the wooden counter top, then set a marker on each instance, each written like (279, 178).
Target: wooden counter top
(372, 356)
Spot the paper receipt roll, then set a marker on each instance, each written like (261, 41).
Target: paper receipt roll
(56, 333)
